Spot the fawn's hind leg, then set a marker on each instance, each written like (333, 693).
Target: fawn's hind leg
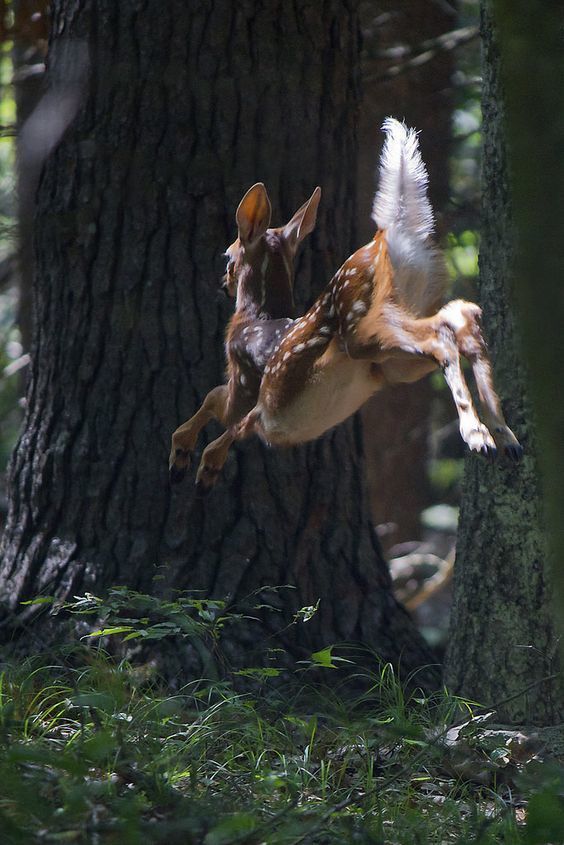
(471, 342)
(397, 342)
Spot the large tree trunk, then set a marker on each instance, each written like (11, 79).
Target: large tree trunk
(187, 105)
(502, 633)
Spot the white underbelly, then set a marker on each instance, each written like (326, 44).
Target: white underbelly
(333, 393)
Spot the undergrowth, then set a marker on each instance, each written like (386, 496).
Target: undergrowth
(94, 750)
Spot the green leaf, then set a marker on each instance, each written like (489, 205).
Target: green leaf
(500, 756)
(39, 600)
(259, 672)
(231, 829)
(545, 819)
(304, 614)
(134, 635)
(106, 632)
(100, 700)
(324, 658)
(99, 747)
(327, 659)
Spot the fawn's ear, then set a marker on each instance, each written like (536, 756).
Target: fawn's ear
(303, 222)
(253, 214)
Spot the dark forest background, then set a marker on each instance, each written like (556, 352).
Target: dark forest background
(349, 641)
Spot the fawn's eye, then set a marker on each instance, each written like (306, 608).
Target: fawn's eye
(230, 278)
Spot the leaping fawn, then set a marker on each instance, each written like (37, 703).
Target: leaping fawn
(378, 322)
(260, 274)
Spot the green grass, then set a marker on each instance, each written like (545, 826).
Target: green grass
(95, 750)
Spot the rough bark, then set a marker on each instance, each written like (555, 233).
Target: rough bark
(396, 421)
(533, 70)
(186, 106)
(502, 632)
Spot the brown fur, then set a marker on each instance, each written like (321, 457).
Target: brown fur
(361, 334)
(260, 274)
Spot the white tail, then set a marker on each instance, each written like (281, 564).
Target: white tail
(401, 200)
(403, 211)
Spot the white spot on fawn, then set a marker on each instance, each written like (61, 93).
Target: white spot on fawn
(316, 341)
(299, 347)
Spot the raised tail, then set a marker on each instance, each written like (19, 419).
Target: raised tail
(401, 201)
(402, 209)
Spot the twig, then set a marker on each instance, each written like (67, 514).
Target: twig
(15, 366)
(422, 53)
(446, 41)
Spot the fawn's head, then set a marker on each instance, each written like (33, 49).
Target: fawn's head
(260, 263)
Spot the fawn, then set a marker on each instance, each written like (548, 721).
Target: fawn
(378, 322)
(260, 274)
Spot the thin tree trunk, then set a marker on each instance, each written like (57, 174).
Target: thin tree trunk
(30, 41)
(502, 632)
(396, 421)
(187, 105)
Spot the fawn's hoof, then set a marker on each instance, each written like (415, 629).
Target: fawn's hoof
(489, 452)
(479, 440)
(514, 452)
(205, 480)
(178, 465)
(176, 474)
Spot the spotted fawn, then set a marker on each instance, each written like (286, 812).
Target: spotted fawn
(378, 322)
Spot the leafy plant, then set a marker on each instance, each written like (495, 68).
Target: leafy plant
(94, 748)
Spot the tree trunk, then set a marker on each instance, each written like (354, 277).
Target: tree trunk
(30, 42)
(533, 70)
(502, 633)
(396, 421)
(187, 105)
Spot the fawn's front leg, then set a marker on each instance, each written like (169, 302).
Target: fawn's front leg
(215, 454)
(212, 461)
(184, 438)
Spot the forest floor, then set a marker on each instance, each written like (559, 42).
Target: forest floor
(93, 749)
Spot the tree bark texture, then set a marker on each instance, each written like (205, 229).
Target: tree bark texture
(186, 106)
(502, 632)
(533, 72)
(396, 421)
